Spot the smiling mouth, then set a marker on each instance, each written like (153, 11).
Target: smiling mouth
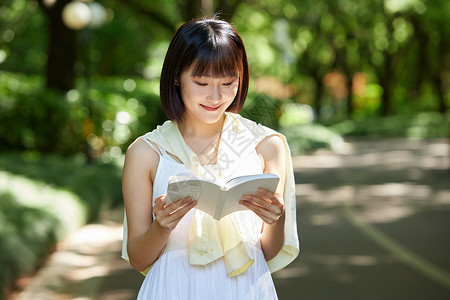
(211, 108)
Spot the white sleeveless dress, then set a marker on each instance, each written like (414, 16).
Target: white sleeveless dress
(173, 277)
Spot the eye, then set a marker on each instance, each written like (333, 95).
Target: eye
(229, 83)
(201, 83)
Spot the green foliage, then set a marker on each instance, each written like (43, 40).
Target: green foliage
(42, 199)
(123, 46)
(422, 125)
(21, 24)
(306, 138)
(399, 46)
(292, 120)
(97, 185)
(105, 120)
(30, 114)
(27, 234)
(262, 109)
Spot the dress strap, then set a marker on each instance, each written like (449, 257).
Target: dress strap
(157, 148)
(160, 150)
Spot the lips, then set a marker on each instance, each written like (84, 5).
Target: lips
(211, 108)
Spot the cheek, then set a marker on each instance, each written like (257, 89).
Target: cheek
(189, 93)
(231, 92)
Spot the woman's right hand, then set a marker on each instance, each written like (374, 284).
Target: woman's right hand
(168, 216)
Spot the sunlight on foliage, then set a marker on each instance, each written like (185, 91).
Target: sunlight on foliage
(295, 114)
(307, 138)
(64, 205)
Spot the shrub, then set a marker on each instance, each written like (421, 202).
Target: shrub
(42, 199)
(420, 125)
(306, 138)
(100, 120)
(26, 236)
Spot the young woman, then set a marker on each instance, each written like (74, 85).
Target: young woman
(184, 252)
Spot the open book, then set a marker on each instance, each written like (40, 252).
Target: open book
(218, 201)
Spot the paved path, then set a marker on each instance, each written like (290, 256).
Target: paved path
(374, 223)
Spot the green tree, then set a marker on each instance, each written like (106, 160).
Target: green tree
(62, 41)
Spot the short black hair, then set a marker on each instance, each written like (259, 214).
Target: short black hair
(216, 49)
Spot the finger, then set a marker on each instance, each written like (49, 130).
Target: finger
(163, 213)
(159, 204)
(267, 216)
(275, 208)
(176, 215)
(263, 202)
(173, 207)
(265, 192)
(275, 198)
(258, 209)
(169, 220)
(181, 202)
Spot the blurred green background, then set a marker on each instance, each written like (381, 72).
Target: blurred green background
(71, 101)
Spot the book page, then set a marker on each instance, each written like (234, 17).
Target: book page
(205, 192)
(241, 179)
(266, 181)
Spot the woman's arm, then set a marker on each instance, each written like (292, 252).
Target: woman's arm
(270, 206)
(147, 238)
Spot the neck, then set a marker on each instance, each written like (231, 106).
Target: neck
(190, 129)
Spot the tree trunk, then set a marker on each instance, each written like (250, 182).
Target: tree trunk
(190, 9)
(385, 108)
(62, 46)
(318, 98)
(421, 69)
(439, 85)
(439, 77)
(349, 99)
(386, 79)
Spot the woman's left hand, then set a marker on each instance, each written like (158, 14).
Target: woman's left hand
(267, 205)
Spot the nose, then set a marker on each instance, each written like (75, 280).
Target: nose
(215, 94)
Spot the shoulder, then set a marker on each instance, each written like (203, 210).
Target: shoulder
(140, 157)
(141, 149)
(270, 146)
(272, 154)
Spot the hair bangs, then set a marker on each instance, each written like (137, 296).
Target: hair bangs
(220, 61)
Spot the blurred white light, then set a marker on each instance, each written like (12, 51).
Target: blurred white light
(3, 55)
(295, 113)
(98, 15)
(108, 125)
(129, 85)
(115, 152)
(123, 117)
(8, 35)
(72, 95)
(133, 103)
(121, 133)
(76, 15)
(398, 5)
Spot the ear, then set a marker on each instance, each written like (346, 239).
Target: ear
(177, 83)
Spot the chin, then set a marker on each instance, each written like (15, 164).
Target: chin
(212, 118)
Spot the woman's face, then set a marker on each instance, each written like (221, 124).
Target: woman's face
(205, 97)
